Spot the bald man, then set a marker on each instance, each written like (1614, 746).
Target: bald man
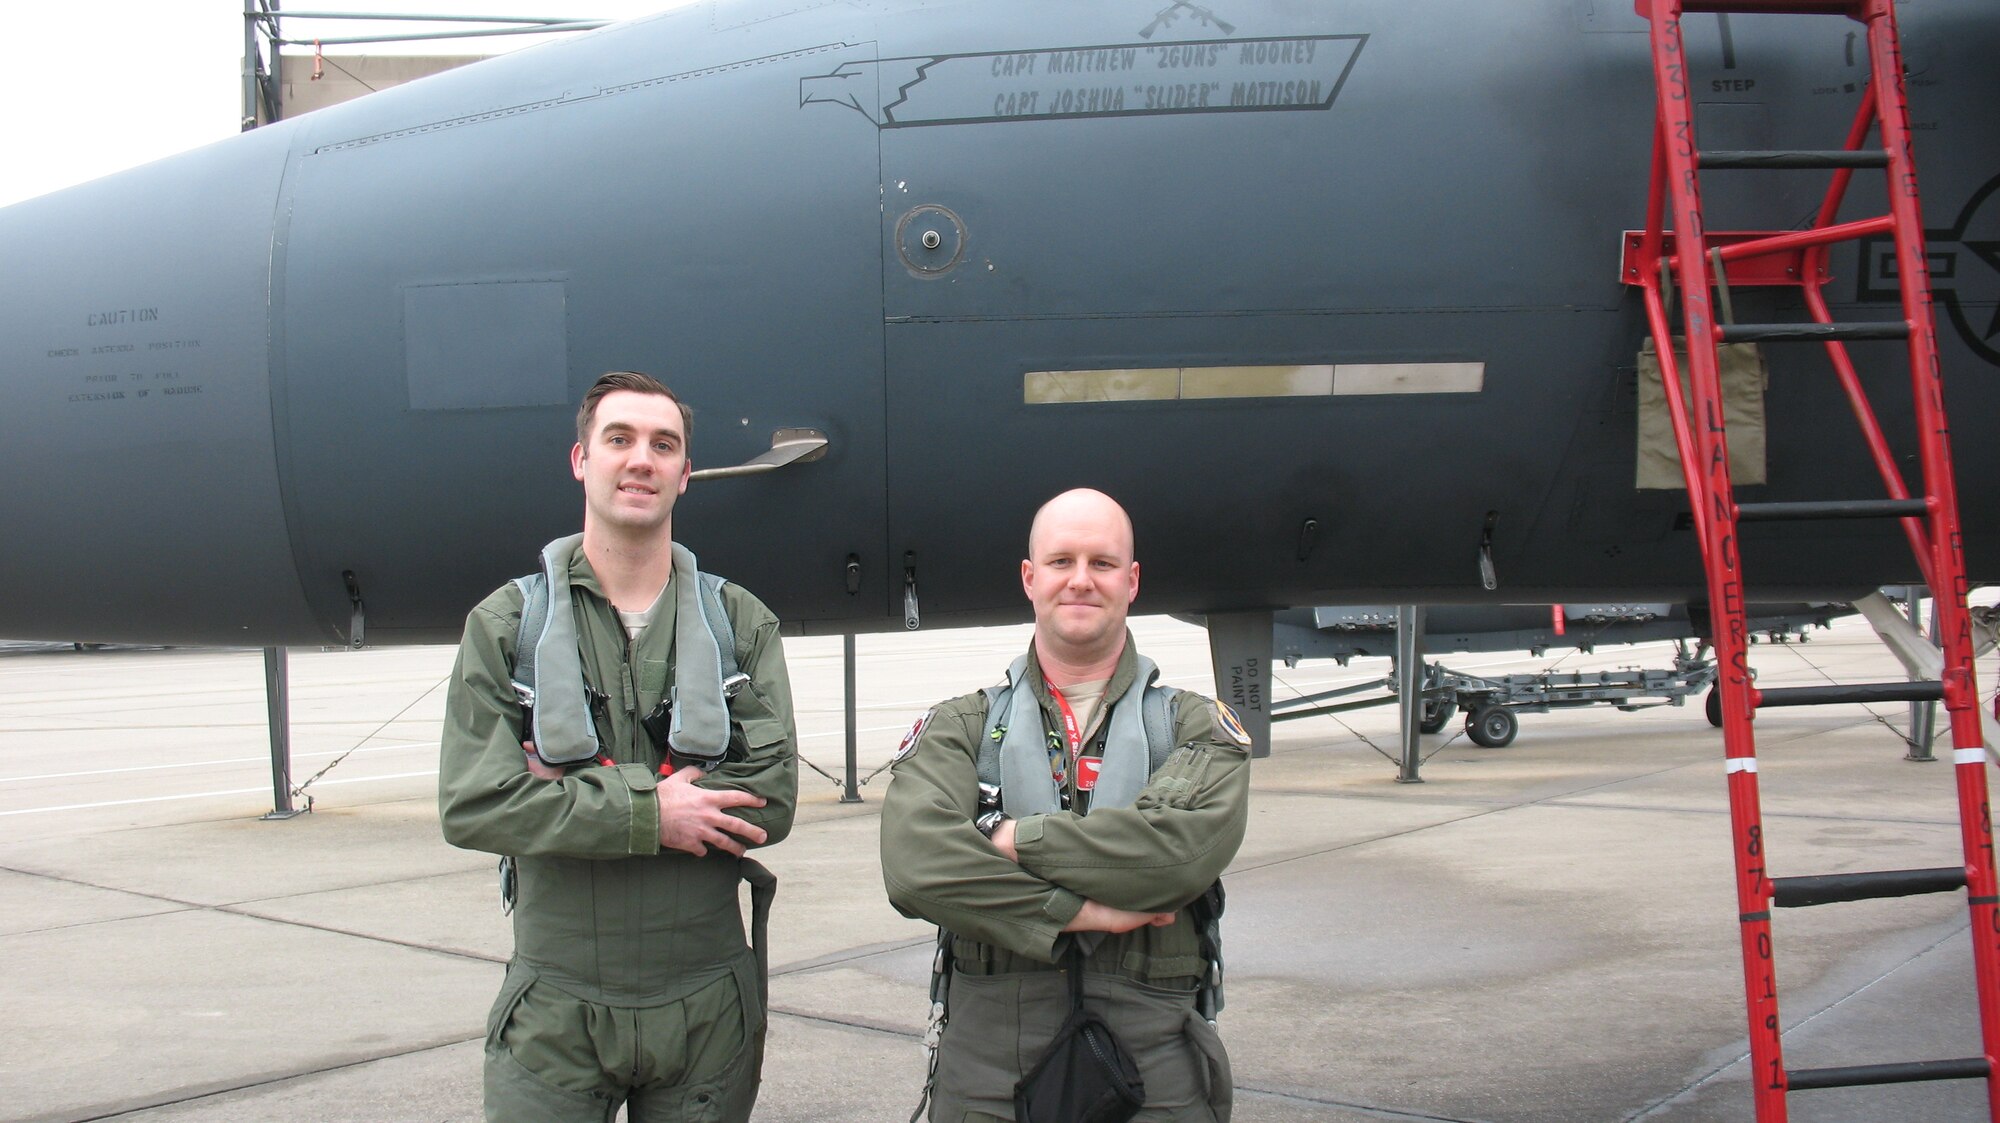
(1072, 810)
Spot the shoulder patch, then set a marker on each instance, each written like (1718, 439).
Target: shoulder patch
(1230, 725)
(910, 739)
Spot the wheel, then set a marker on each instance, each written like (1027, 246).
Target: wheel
(1437, 712)
(1492, 726)
(1714, 706)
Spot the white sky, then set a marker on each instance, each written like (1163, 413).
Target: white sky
(120, 83)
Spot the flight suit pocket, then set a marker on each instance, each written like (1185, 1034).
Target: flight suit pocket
(514, 1093)
(516, 984)
(1216, 1079)
(998, 1026)
(723, 1039)
(726, 1097)
(1179, 779)
(762, 732)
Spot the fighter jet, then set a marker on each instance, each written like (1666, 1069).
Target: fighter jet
(1328, 295)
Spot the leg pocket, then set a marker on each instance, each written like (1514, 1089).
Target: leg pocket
(999, 1025)
(515, 1095)
(1220, 1083)
(725, 1096)
(706, 1048)
(1157, 1025)
(511, 989)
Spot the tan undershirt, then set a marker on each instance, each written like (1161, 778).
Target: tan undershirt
(1085, 700)
(635, 622)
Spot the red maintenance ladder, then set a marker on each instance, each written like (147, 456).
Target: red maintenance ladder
(1698, 259)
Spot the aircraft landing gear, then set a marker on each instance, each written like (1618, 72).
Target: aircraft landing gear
(1714, 706)
(1492, 726)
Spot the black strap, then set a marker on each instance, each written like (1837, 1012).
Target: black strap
(1073, 964)
(763, 889)
(1206, 911)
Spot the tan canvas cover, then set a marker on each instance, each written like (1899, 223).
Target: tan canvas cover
(1744, 378)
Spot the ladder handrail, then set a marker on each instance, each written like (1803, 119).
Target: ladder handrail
(1707, 475)
(1961, 695)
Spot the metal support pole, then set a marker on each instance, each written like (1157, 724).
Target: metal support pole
(1239, 652)
(1410, 686)
(277, 709)
(1923, 715)
(249, 65)
(851, 792)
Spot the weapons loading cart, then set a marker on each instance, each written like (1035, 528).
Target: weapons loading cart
(1492, 703)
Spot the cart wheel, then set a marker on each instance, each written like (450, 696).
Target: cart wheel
(1714, 706)
(1437, 712)
(1492, 726)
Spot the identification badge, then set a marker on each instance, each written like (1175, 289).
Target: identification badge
(1087, 768)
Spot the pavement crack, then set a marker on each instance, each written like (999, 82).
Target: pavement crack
(241, 909)
(80, 883)
(870, 1025)
(413, 945)
(1742, 1056)
(851, 955)
(190, 1097)
(1372, 1110)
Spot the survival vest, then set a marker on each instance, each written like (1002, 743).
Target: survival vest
(558, 719)
(556, 716)
(1156, 719)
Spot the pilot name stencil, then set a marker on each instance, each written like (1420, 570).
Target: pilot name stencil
(1113, 80)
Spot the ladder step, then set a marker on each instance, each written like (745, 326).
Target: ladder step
(1778, 7)
(1851, 692)
(1833, 509)
(1905, 1072)
(1833, 888)
(1814, 332)
(1795, 158)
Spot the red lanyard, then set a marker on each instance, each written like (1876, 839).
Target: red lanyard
(1072, 733)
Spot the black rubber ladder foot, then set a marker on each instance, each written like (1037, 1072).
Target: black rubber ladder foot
(1921, 691)
(1904, 1072)
(1815, 332)
(1794, 158)
(1833, 509)
(1832, 888)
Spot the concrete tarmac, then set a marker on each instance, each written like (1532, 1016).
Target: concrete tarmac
(1541, 932)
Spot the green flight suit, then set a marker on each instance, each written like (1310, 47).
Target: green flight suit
(631, 979)
(1007, 996)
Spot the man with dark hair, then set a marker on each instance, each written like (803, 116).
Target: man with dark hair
(1074, 808)
(619, 727)
(613, 381)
